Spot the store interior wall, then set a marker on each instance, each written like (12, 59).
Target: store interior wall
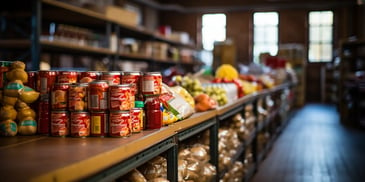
(292, 29)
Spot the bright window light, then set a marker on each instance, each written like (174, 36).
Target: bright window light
(265, 34)
(214, 29)
(320, 36)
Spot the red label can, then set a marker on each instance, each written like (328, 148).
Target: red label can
(32, 79)
(151, 83)
(67, 77)
(44, 116)
(120, 97)
(113, 77)
(133, 78)
(137, 120)
(98, 95)
(88, 76)
(45, 81)
(59, 123)
(4, 67)
(153, 112)
(99, 124)
(77, 97)
(59, 96)
(119, 124)
(80, 124)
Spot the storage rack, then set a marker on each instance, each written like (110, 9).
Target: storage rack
(43, 11)
(43, 158)
(351, 84)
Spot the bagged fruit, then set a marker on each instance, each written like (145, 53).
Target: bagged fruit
(27, 126)
(17, 74)
(184, 94)
(7, 112)
(168, 117)
(17, 65)
(28, 95)
(175, 103)
(24, 113)
(9, 100)
(13, 88)
(8, 128)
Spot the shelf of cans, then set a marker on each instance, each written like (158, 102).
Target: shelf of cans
(105, 157)
(99, 104)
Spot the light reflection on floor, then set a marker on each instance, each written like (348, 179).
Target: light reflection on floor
(315, 147)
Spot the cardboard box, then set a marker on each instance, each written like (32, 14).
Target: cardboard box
(122, 16)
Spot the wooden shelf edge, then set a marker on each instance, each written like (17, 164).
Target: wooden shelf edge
(107, 159)
(76, 9)
(70, 46)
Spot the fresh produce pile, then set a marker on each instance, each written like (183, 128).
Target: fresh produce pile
(16, 116)
(218, 90)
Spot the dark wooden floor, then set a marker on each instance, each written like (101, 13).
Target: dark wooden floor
(315, 147)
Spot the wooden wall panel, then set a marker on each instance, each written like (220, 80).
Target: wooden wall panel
(239, 31)
(186, 22)
(292, 26)
(292, 29)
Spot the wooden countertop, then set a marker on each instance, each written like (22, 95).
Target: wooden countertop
(43, 158)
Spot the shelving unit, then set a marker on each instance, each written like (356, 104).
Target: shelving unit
(43, 158)
(351, 84)
(44, 12)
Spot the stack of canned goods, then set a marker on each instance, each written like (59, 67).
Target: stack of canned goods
(151, 90)
(100, 104)
(45, 81)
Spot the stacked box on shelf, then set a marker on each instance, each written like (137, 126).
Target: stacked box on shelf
(295, 55)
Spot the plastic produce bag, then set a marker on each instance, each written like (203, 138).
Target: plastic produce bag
(176, 103)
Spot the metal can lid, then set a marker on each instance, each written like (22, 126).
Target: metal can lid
(152, 73)
(98, 81)
(120, 111)
(121, 85)
(131, 73)
(79, 84)
(111, 73)
(59, 111)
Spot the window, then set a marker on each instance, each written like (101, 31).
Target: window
(265, 34)
(213, 29)
(320, 36)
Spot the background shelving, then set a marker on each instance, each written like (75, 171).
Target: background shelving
(47, 15)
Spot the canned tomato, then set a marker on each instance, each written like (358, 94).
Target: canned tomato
(59, 96)
(99, 124)
(77, 97)
(44, 116)
(151, 83)
(67, 77)
(45, 81)
(133, 78)
(32, 79)
(119, 124)
(98, 95)
(153, 112)
(88, 76)
(120, 97)
(137, 118)
(59, 123)
(112, 77)
(80, 124)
